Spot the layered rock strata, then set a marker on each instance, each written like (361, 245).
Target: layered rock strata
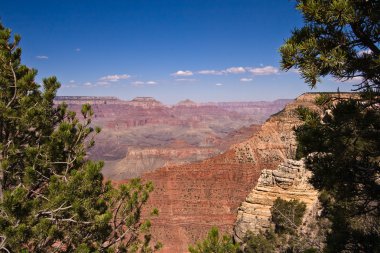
(289, 181)
(192, 198)
(143, 134)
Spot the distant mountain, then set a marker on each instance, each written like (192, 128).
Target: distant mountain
(186, 102)
(143, 134)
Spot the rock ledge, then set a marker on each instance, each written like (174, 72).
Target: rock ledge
(288, 181)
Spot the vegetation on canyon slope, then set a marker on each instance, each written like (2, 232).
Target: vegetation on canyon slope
(52, 198)
(286, 236)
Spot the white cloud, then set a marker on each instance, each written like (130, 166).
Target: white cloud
(267, 70)
(235, 70)
(294, 70)
(137, 83)
(246, 79)
(185, 80)
(72, 81)
(263, 70)
(362, 52)
(70, 85)
(42, 57)
(183, 73)
(219, 84)
(210, 72)
(77, 49)
(114, 78)
(232, 70)
(141, 83)
(102, 83)
(355, 79)
(87, 84)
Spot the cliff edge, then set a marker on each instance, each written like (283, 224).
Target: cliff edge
(192, 198)
(289, 181)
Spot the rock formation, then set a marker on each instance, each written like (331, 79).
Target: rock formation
(191, 198)
(145, 102)
(186, 102)
(194, 197)
(140, 160)
(142, 134)
(288, 181)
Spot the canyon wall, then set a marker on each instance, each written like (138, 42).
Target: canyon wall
(143, 134)
(194, 197)
(289, 181)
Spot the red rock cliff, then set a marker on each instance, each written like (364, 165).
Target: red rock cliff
(192, 198)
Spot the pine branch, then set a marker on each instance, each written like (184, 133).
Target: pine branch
(364, 38)
(14, 78)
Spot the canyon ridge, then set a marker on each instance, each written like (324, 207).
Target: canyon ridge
(143, 134)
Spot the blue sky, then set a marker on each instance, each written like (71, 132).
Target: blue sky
(204, 50)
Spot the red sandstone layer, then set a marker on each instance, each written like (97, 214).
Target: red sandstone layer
(194, 197)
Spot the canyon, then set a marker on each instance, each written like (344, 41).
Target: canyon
(143, 134)
(214, 187)
(192, 198)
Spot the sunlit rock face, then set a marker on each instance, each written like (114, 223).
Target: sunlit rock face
(290, 180)
(192, 198)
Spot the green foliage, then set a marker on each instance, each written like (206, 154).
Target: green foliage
(260, 243)
(52, 198)
(270, 242)
(213, 243)
(345, 162)
(287, 215)
(323, 99)
(341, 38)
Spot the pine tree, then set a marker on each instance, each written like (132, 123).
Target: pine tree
(341, 38)
(53, 199)
(214, 243)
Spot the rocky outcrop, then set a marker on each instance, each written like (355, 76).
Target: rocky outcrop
(186, 102)
(145, 102)
(276, 140)
(192, 198)
(288, 181)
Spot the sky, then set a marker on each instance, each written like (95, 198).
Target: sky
(203, 50)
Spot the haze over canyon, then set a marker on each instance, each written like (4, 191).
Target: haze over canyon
(143, 134)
